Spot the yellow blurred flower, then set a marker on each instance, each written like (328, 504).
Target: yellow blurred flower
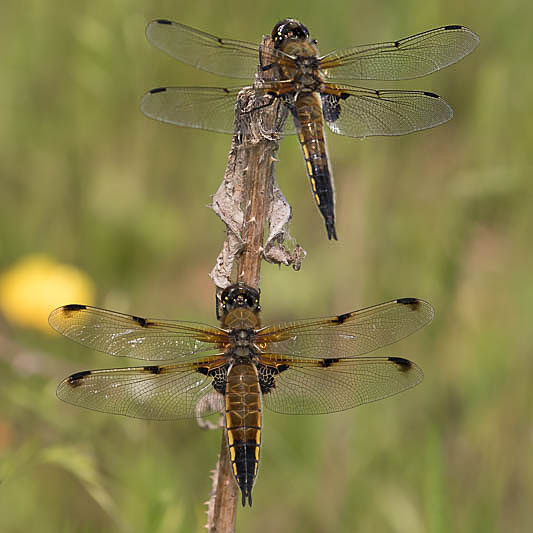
(36, 285)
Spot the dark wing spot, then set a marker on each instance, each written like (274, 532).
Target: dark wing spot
(433, 95)
(396, 44)
(404, 364)
(141, 321)
(453, 27)
(413, 303)
(267, 376)
(158, 90)
(74, 307)
(203, 370)
(341, 318)
(328, 362)
(330, 107)
(154, 369)
(220, 378)
(76, 378)
(163, 21)
(407, 301)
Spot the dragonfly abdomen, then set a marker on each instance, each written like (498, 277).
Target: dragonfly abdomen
(243, 424)
(310, 126)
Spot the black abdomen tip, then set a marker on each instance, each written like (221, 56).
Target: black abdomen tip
(332, 233)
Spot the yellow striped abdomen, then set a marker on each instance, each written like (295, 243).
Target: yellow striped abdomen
(310, 126)
(243, 424)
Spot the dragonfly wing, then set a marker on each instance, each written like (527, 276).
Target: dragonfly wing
(306, 386)
(350, 334)
(131, 336)
(208, 108)
(407, 58)
(359, 112)
(226, 57)
(165, 392)
(213, 109)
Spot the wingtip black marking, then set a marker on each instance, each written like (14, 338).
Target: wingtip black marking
(74, 380)
(454, 27)
(73, 307)
(404, 364)
(432, 95)
(157, 90)
(414, 303)
(164, 21)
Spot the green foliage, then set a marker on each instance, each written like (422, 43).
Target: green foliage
(443, 215)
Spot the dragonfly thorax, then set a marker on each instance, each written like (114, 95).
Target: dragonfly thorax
(241, 343)
(307, 79)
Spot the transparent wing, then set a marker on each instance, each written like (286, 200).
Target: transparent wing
(350, 334)
(309, 387)
(226, 57)
(132, 336)
(407, 58)
(207, 108)
(362, 112)
(165, 392)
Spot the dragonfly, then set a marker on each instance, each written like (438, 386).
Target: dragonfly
(310, 88)
(311, 366)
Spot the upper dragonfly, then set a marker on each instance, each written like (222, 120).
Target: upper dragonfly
(302, 87)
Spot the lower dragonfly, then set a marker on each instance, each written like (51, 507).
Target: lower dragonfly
(311, 366)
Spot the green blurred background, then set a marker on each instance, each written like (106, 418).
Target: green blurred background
(444, 215)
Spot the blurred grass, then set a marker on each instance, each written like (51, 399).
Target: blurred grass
(444, 215)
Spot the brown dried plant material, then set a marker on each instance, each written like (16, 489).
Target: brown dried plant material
(248, 201)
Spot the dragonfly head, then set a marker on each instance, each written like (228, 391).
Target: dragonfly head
(240, 296)
(289, 29)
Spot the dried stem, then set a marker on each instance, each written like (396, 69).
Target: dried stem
(247, 201)
(256, 157)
